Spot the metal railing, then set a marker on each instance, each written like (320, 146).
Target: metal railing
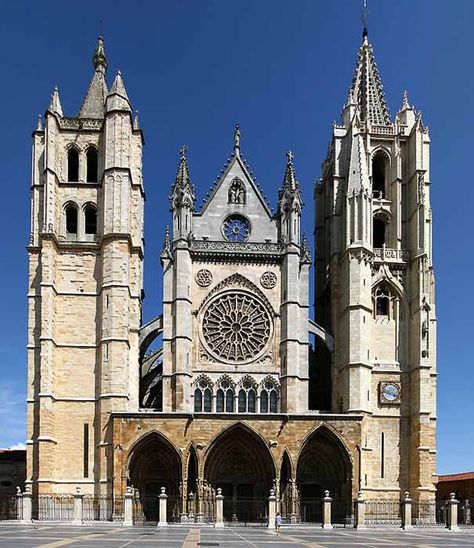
(102, 508)
(54, 508)
(466, 513)
(427, 513)
(10, 508)
(384, 512)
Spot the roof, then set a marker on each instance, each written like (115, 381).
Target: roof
(456, 477)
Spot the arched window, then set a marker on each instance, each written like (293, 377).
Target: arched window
(382, 300)
(203, 397)
(90, 218)
(92, 165)
(247, 398)
(71, 219)
(73, 165)
(269, 395)
(225, 397)
(379, 232)
(379, 175)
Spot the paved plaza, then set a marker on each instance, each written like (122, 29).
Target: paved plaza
(239, 537)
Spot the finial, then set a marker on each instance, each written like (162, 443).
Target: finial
(405, 103)
(182, 152)
(39, 125)
(237, 137)
(136, 121)
(290, 157)
(365, 21)
(99, 59)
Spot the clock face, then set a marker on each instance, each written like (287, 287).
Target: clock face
(236, 228)
(390, 392)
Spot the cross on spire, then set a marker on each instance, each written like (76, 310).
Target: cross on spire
(365, 19)
(290, 156)
(182, 152)
(237, 137)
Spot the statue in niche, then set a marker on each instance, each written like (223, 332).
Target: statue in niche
(237, 192)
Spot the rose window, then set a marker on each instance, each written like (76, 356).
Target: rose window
(236, 228)
(236, 327)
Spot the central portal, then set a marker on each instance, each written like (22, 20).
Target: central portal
(240, 464)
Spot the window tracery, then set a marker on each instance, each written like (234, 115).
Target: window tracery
(269, 397)
(225, 397)
(203, 396)
(383, 299)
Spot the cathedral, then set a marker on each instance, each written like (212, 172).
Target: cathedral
(235, 384)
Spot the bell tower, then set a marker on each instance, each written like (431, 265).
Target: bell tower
(85, 283)
(374, 285)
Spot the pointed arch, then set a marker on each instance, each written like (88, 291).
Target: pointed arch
(380, 168)
(92, 164)
(72, 164)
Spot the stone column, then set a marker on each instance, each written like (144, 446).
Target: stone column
(271, 509)
(128, 508)
(406, 511)
(26, 505)
(163, 520)
(77, 509)
(452, 517)
(219, 508)
(190, 516)
(327, 502)
(360, 511)
(19, 504)
(199, 501)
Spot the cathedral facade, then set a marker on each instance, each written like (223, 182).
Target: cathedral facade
(232, 385)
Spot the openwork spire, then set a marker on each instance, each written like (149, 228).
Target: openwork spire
(182, 191)
(93, 105)
(366, 90)
(290, 193)
(55, 103)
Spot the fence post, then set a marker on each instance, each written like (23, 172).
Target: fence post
(77, 509)
(360, 511)
(128, 508)
(327, 502)
(163, 522)
(26, 505)
(406, 511)
(271, 509)
(452, 521)
(219, 508)
(19, 504)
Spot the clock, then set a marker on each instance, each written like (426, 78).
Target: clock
(389, 392)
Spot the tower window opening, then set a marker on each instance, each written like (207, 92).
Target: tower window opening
(379, 232)
(92, 165)
(378, 176)
(73, 165)
(202, 397)
(71, 219)
(269, 398)
(246, 398)
(382, 298)
(90, 217)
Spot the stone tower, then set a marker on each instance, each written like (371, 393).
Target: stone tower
(374, 288)
(85, 283)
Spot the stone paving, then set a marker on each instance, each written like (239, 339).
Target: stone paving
(13, 536)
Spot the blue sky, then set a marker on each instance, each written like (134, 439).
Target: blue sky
(281, 70)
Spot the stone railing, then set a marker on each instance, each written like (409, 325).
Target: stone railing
(80, 123)
(386, 254)
(257, 248)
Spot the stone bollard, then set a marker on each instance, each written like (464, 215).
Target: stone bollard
(19, 504)
(163, 508)
(27, 505)
(128, 508)
(452, 517)
(271, 509)
(77, 509)
(406, 511)
(467, 512)
(327, 502)
(219, 508)
(360, 512)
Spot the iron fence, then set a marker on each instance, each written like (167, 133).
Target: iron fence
(54, 508)
(10, 507)
(102, 508)
(246, 511)
(466, 513)
(383, 512)
(146, 510)
(311, 510)
(427, 513)
(342, 513)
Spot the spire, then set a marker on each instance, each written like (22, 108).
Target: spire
(182, 191)
(290, 193)
(358, 170)
(55, 103)
(366, 89)
(94, 101)
(166, 250)
(405, 103)
(117, 98)
(305, 251)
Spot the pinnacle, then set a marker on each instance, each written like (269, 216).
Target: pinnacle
(100, 59)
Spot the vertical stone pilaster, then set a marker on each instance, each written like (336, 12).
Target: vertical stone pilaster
(452, 517)
(406, 511)
(163, 519)
(219, 509)
(78, 507)
(271, 509)
(128, 508)
(26, 505)
(360, 512)
(327, 506)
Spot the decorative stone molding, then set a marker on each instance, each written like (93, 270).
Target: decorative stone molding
(268, 280)
(204, 277)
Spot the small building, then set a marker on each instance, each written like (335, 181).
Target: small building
(462, 485)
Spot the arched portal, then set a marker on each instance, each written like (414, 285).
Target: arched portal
(323, 464)
(240, 464)
(155, 463)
